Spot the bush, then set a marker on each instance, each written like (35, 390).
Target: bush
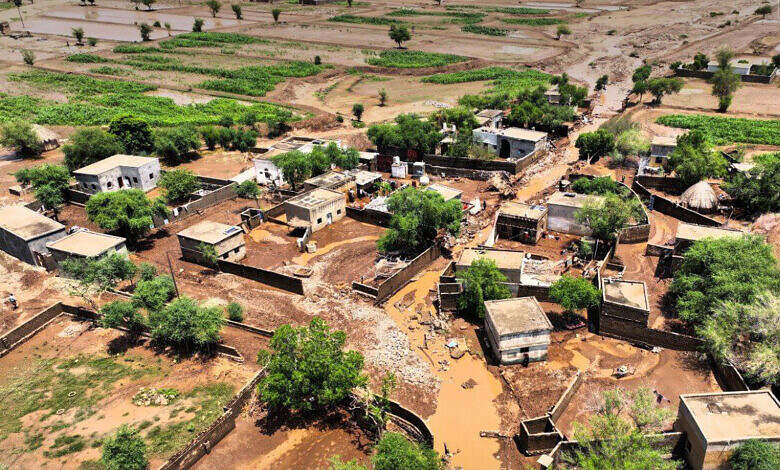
(185, 324)
(413, 59)
(125, 450)
(396, 452)
(121, 313)
(481, 281)
(357, 111)
(88, 146)
(178, 185)
(235, 312)
(754, 454)
(22, 138)
(574, 293)
(28, 56)
(595, 144)
(248, 189)
(197, 25)
(92, 42)
(177, 144)
(128, 212)
(600, 185)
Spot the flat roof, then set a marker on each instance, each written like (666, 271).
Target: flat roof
(490, 113)
(210, 232)
(517, 315)
(130, 161)
(446, 192)
(571, 199)
(729, 416)
(515, 133)
(503, 259)
(326, 179)
(26, 223)
(364, 177)
(686, 231)
(629, 293)
(315, 198)
(86, 243)
(664, 140)
(537, 272)
(519, 209)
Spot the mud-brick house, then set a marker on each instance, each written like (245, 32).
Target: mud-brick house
(86, 244)
(625, 308)
(227, 240)
(561, 212)
(25, 233)
(521, 222)
(518, 330)
(511, 142)
(316, 209)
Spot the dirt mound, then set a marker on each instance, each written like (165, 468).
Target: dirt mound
(502, 183)
(769, 225)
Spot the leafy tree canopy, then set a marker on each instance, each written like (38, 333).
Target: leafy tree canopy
(694, 160)
(98, 274)
(122, 313)
(248, 189)
(399, 34)
(88, 146)
(178, 185)
(418, 215)
(606, 218)
(46, 174)
(574, 293)
(758, 190)
(134, 134)
(185, 324)
(21, 136)
(755, 455)
(176, 144)
(295, 166)
(308, 368)
(409, 132)
(128, 212)
(481, 281)
(396, 452)
(595, 144)
(153, 293)
(600, 185)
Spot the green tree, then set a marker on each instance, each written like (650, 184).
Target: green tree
(418, 215)
(88, 146)
(460, 116)
(308, 368)
(128, 212)
(602, 81)
(607, 217)
(700, 61)
(235, 312)
(96, 276)
(399, 34)
(763, 10)
(208, 255)
(755, 454)
(574, 293)
(396, 452)
(125, 450)
(214, 6)
(295, 167)
(658, 87)
(357, 111)
(640, 88)
(22, 138)
(382, 97)
(134, 134)
(641, 73)
(197, 25)
(481, 281)
(725, 83)
(723, 270)
(186, 325)
(178, 185)
(747, 335)
(148, 3)
(694, 160)
(248, 189)
(632, 142)
(145, 31)
(210, 136)
(49, 183)
(237, 11)
(28, 56)
(153, 293)
(561, 31)
(616, 437)
(122, 313)
(52, 198)
(408, 132)
(595, 144)
(275, 13)
(757, 190)
(78, 34)
(176, 144)
(600, 185)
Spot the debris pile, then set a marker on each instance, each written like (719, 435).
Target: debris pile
(154, 397)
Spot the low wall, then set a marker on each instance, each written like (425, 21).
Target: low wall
(668, 184)
(249, 328)
(665, 206)
(512, 167)
(449, 294)
(658, 250)
(370, 216)
(560, 406)
(671, 441)
(728, 377)
(76, 196)
(542, 293)
(634, 234)
(364, 289)
(29, 328)
(263, 276)
(424, 433)
(649, 337)
(477, 175)
(399, 279)
(751, 78)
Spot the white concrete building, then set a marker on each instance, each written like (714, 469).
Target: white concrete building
(511, 142)
(561, 210)
(119, 172)
(518, 329)
(268, 174)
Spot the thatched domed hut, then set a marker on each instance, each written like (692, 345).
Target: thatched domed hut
(700, 197)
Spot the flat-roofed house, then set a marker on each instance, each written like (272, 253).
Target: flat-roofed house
(660, 148)
(329, 180)
(511, 142)
(367, 181)
(316, 209)
(24, 232)
(490, 117)
(446, 192)
(508, 262)
(521, 222)
(624, 307)
(716, 423)
(86, 244)
(267, 173)
(227, 240)
(687, 234)
(518, 330)
(119, 172)
(561, 209)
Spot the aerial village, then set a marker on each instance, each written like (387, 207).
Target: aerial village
(380, 234)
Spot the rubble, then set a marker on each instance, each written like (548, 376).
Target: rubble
(155, 397)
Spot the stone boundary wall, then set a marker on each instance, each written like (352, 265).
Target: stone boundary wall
(635, 333)
(752, 78)
(399, 279)
(29, 328)
(370, 216)
(512, 167)
(560, 406)
(263, 276)
(728, 376)
(364, 289)
(208, 438)
(665, 206)
(537, 435)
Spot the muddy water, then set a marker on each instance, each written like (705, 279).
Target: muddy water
(460, 414)
(131, 17)
(304, 258)
(64, 27)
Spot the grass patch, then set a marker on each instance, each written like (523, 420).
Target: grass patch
(724, 130)
(533, 21)
(405, 59)
(484, 30)
(529, 76)
(86, 59)
(375, 20)
(108, 70)
(77, 84)
(448, 13)
(64, 445)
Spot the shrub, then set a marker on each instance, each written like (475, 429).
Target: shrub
(235, 312)
(28, 56)
(22, 137)
(574, 293)
(128, 212)
(145, 31)
(484, 30)
(395, 452)
(482, 281)
(248, 189)
(599, 186)
(595, 144)
(134, 133)
(176, 145)
(152, 293)
(178, 185)
(533, 21)
(125, 450)
(357, 111)
(84, 58)
(754, 454)
(186, 325)
(197, 25)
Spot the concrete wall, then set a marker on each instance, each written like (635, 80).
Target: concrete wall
(706, 74)
(370, 216)
(263, 276)
(317, 216)
(29, 328)
(144, 178)
(637, 333)
(728, 376)
(665, 206)
(399, 279)
(566, 398)
(562, 219)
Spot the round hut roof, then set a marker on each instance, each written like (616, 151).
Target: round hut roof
(700, 197)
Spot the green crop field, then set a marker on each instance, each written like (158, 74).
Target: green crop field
(375, 20)
(505, 79)
(533, 21)
(413, 59)
(724, 130)
(484, 30)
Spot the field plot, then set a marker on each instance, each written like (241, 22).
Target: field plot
(750, 98)
(70, 386)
